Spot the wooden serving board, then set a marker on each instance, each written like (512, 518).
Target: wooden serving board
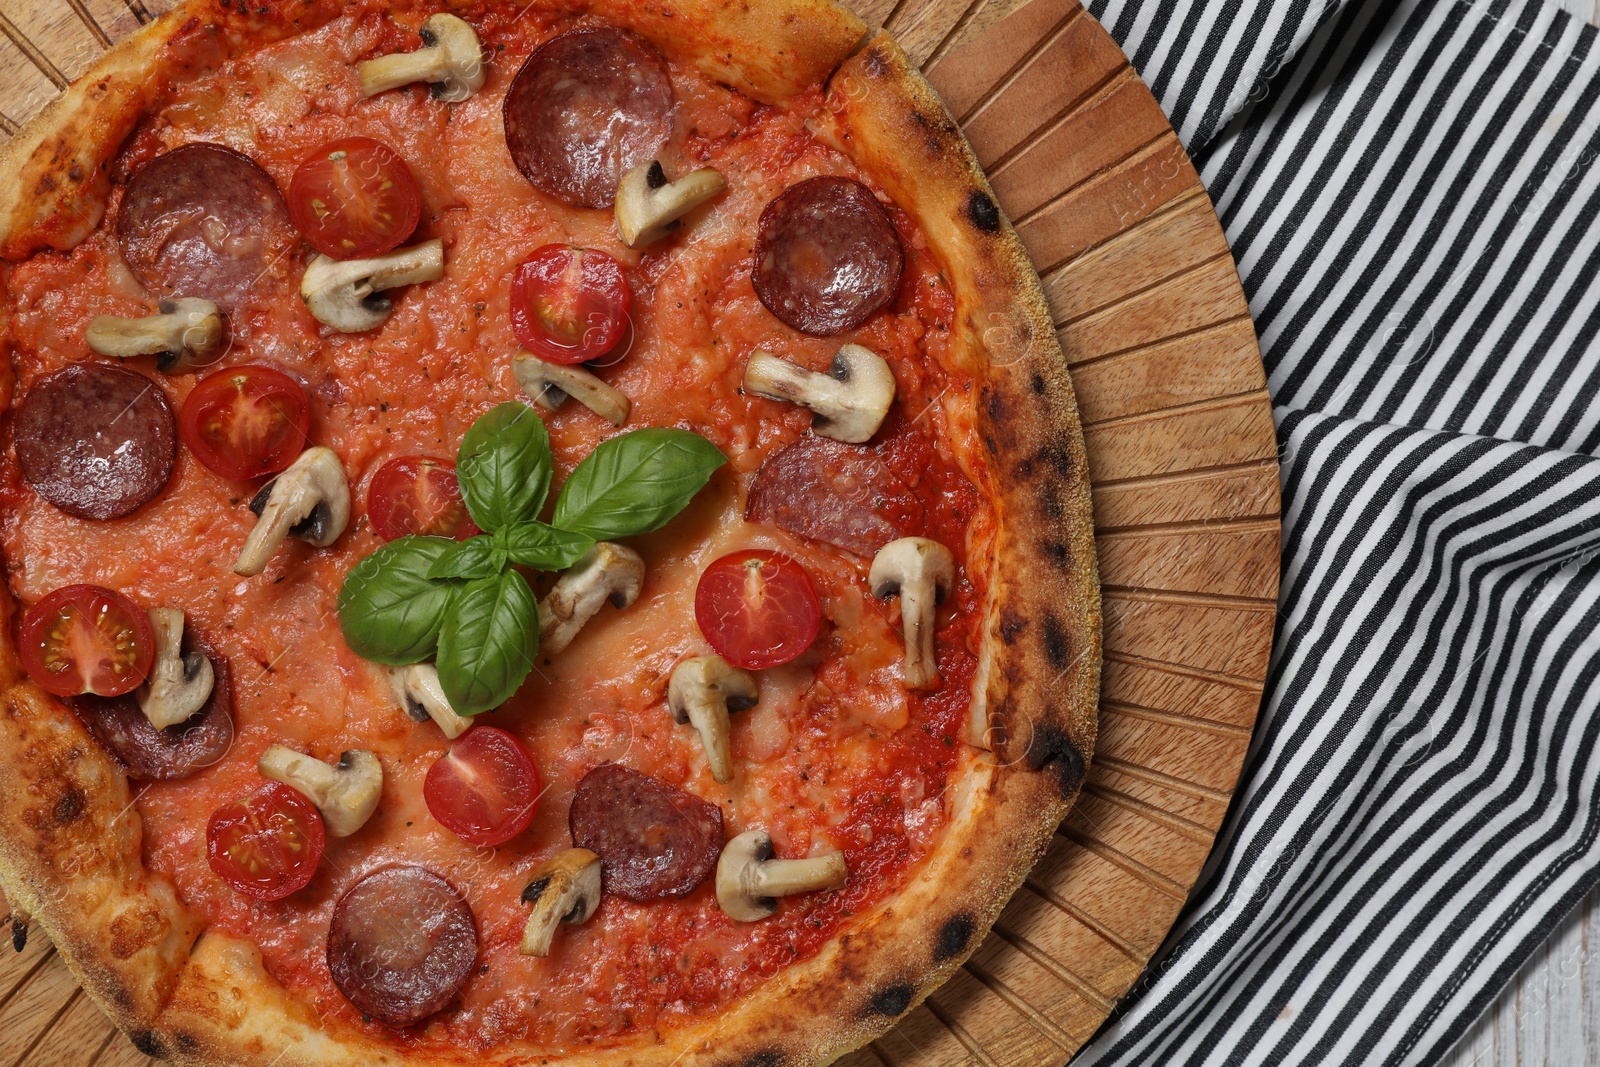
(1183, 460)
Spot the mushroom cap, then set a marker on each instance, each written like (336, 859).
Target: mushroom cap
(178, 685)
(417, 689)
(649, 207)
(346, 794)
(310, 500)
(710, 678)
(462, 53)
(912, 560)
(607, 572)
(347, 295)
(736, 877)
(355, 793)
(451, 59)
(183, 330)
(564, 889)
(849, 403)
(550, 384)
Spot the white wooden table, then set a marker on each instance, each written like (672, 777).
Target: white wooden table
(1549, 1015)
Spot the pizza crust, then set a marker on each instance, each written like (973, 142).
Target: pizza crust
(209, 1001)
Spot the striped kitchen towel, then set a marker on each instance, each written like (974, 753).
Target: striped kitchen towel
(1411, 192)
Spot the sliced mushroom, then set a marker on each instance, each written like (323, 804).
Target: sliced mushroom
(420, 694)
(919, 572)
(451, 59)
(649, 206)
(183, 334)
(749, 879)
(310, 500)
(565, 889)
(848, 403)
(348, 294)
(177, 685)
(608, 571)
(346, 793)
(703, 690)
(549, 385)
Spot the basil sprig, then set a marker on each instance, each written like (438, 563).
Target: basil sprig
(391, 607)
(634, 483)
(460, 601)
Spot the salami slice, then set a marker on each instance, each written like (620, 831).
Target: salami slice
(827, 257)
(828, 491)
(653, 840)
(585, 109)
(178, 751)
(402, 944)
(203, 220)
(96, 441)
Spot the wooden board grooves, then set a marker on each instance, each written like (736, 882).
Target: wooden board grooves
(1007, 80)
(1202, 600)
(942, 49)
(1117, 858)
(1077, 983)
(1174, 718)
(1092, 97)
(960, 1032)
(87, 18)
(1146, 149)
(1184, 335)
(1131, 295)
(1094, 926)
(38, 1038)
(1182, 450)
(1176, 823)
(32, 972)
(1188, 474)
(1022, 1007)
(878, 1053)
(1210, 403)
(1184, 669)
(1182, 785)
(1132, 236)
(1230, 523)
(29, 49)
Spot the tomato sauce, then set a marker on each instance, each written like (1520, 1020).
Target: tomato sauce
(835, 755)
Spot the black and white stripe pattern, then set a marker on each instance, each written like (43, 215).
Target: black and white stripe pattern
(1414, 204)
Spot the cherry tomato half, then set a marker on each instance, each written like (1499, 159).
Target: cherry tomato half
(268, 844)
(246, 422)
(354, 197)
(485, 789)
(417, 495)
(86, 639)
(569, 305)
(757, 608)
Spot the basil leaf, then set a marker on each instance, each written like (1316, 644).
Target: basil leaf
(476, 557)
(389, 609)
(490, 637)
(634, 482)
(534, 544)
(504, 466)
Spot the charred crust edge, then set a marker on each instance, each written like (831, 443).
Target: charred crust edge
(767, 1057)
(1050, 748)
(148, 1042)
(953, 938)
(892, 1000)
(982, 211)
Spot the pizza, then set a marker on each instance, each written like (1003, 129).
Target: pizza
(533, 533)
